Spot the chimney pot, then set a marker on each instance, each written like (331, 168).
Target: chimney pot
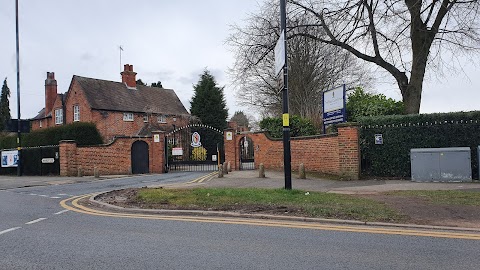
(129, 76)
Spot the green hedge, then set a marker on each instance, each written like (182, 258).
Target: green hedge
(404, 132)
(82, 133)
(298, 126)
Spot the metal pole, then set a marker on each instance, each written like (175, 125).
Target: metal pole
(286, 123)
(19, 169)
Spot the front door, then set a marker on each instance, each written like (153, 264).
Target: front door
(140, 157)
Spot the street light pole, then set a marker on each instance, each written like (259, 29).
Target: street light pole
(19, 169)
(286, 122)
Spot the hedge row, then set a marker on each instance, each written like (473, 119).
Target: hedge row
(404, 132)
(298, 126)
(82, 133)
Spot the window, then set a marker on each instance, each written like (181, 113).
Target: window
(41, 123)
(76, 113)
(58, 116)
(161, 119)
(145, 118)
(127, 116)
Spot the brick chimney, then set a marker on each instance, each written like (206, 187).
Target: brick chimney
(50, 92)
(128, 76)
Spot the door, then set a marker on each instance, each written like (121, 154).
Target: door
(140, 157)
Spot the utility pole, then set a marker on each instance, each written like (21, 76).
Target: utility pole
(287, 159)
(19, 163)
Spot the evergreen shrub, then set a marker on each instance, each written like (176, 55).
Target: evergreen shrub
(404, 132)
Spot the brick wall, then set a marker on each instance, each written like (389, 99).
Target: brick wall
(337, 154)
(113, 158)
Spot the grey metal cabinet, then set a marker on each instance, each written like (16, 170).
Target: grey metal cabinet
(441, 164)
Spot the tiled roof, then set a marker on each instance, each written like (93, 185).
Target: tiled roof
(41, 113)
(115, 96)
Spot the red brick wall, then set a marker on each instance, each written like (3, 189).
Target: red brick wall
(113, 158)
(337, 154)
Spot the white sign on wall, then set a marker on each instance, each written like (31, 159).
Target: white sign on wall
(177, 151)
(229, 136)
(10, 158)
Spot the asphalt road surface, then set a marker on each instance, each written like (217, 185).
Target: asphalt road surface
(36, 232)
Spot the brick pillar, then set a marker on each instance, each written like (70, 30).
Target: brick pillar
(349, 151)
(230, 148)
(157, 153)
(68, 162)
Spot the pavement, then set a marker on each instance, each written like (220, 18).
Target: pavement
(250, 179)
(275, 179)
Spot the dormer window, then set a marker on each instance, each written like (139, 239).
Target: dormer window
(145, 118)
(162, 119)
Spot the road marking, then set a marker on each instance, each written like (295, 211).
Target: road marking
(61, 212)
(43, 195)
(33, 194)
(34, 221)
(62, 194)
(9, 230)
(202, 179)
(55, 197)
(75, 206)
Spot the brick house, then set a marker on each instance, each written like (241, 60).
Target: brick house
(117, 108)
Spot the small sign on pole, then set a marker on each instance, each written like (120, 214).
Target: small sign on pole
(280, 53)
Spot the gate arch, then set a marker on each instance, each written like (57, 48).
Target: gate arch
(139, 157)
(194, 147)
(247, 154)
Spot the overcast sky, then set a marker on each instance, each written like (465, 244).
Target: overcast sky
(167, 41)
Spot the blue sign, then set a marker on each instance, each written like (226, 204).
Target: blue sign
(334, 106)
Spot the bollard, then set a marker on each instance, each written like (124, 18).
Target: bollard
(229, 168)
(96, 172)
(225, 171)
(261, 171)
(220, 171)
(301, 171)
(79, 171)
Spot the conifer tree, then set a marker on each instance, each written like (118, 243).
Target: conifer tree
(4, 105)
(208, 102)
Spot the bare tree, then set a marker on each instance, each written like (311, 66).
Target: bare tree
(313, 67)
(400, 36)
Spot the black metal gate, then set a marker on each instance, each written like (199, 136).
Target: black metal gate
(247, 155)
(139, 156)
(42, 160)
(194, 147)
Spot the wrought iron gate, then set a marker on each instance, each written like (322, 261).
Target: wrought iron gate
(247, 158)
(194, 147)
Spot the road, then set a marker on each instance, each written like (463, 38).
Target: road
(36, 232)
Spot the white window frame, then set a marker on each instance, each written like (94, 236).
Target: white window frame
(76, 113)
(41, 123)
(162, 118)
(58, 116)
(128, 117)
(145, 118)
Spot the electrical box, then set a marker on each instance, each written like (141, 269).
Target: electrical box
(451, 164)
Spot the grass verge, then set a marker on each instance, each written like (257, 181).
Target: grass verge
(278, 201)
(443, 197)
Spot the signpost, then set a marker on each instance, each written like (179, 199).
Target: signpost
(334, 106)
(282, 64)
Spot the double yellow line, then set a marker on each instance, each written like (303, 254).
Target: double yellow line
(204, 178)
(74, 205)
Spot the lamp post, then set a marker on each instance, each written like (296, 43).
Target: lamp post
(286, 125)
(19, 163)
